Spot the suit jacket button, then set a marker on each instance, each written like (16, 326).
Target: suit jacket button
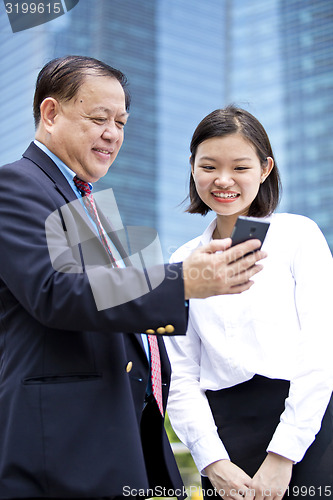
(160, 330)
(129, 366)
(150, 331)
(169, 328)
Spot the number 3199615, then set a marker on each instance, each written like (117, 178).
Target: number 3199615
(33, 8)
(310, 491)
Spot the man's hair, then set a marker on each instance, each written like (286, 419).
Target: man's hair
(61, 78)
(228, 121)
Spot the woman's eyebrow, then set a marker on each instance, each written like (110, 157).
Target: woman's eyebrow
(207, 158)
(244, 158)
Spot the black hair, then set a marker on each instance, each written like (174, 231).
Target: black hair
(233, 120)
(61, 78)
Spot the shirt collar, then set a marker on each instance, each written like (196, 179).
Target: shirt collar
(66, 171)
(208, 233)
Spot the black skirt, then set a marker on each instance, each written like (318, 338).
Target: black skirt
(247, 415)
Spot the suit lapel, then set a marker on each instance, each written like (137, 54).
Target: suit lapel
(44, 162)
(50, 169)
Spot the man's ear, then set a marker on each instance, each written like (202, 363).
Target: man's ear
(49, 109)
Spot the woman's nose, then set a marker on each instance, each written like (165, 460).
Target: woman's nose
(224, 180)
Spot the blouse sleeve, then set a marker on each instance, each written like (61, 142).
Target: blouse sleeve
(188, 408)
(312, 385)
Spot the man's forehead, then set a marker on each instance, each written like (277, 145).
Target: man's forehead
(93, 83)
(95, 90)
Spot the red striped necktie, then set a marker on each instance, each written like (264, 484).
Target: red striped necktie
(155, 361)
(89, 203)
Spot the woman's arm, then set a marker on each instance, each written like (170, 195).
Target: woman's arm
(188, 407)
(312, 383)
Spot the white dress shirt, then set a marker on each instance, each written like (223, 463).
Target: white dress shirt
(280, 328)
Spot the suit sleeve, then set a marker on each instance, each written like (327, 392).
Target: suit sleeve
(61, 296)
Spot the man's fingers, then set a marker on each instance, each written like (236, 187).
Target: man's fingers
(238, 251)
(240, 271)
(235, 252)
(241, 282)
(240, 265)
(234, 289)
(216, 269)
(217, 246)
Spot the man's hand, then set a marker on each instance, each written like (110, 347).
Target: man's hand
(216, 269)
(229, 480)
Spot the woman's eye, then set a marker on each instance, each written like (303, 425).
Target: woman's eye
(207, 167)
(241, 168)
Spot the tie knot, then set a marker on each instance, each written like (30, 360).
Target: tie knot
(82, 186)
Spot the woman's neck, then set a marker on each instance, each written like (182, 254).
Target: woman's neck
(224, 226)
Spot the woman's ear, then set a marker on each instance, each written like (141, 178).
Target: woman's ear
(192, 165)
(266, 170)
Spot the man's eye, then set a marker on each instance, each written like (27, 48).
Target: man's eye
(99, 120)
(121, 124)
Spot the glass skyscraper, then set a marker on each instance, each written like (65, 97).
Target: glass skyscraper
(183, 59)
(307, 54)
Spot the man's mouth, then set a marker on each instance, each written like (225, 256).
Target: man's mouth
(104, 151)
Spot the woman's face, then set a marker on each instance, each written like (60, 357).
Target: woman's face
(227, 174)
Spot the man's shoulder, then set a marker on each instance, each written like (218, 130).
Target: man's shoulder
(26, 180)
(21, 165)
(34, 167)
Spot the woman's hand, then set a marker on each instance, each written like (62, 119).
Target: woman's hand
(229, 480)
(273, 477)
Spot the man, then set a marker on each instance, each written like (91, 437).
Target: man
(79, 417)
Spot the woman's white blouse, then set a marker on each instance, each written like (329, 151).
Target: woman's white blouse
(280, 328)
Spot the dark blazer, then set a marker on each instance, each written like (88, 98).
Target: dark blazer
(71, 419)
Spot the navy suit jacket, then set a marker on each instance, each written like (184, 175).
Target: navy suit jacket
(71, 420)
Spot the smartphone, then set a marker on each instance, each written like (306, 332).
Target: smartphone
(249, 228)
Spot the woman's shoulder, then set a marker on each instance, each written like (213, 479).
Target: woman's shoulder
(298, 230)
(185, 250)
(292, 222)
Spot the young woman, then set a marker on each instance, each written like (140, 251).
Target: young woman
(252, 379)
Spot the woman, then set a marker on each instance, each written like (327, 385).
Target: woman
(252, 379)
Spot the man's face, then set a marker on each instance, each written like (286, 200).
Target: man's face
(88, 131)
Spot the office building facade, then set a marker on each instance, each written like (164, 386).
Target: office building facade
(183, 59)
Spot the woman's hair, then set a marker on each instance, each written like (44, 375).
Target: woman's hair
(228, 121)
(61, 78)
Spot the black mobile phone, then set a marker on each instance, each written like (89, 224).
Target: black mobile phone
(249, 228)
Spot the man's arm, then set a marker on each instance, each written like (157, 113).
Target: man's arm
(64, 300)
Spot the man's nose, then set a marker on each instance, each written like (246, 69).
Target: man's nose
(112, 133)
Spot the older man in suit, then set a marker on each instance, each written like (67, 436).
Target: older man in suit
(82, 395)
